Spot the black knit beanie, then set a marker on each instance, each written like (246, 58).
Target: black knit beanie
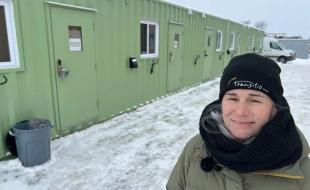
(253, 71)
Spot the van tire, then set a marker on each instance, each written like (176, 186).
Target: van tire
(282, 59)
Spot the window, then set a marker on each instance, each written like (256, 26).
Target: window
(176, 42)
(253, 42)
(237, 41)
(75, 38)
(149, 37)
(282, 46)
(275, 45)
(261, 43)
(232, 41)
(219, 40)
(209, 41)
(249, 43)
(8, 46)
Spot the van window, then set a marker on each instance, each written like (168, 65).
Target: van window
(8, 45)
(275, 45)
(282, 46)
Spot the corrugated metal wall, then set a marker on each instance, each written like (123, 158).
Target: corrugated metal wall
(300, 46)
(31, 92)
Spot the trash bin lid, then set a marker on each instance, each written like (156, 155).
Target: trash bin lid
(38, 123)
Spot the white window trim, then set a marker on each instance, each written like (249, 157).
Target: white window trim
(238, 41)
(232, 47)
(152, 55)
(261, 43)
(249, 43)
(12, 40)
(221, 40)
(253, 42)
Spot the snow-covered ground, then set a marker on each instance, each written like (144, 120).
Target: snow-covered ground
(137, 150)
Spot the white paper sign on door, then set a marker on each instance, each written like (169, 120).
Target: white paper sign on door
(75, 44)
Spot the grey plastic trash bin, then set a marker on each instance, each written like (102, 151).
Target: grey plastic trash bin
(33, 141)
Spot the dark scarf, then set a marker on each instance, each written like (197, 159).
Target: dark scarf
(278, 144)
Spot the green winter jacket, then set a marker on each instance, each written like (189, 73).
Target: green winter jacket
(187, 174)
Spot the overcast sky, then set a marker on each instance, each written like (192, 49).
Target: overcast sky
(281, 16)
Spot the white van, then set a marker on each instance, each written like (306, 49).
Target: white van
(274, 49)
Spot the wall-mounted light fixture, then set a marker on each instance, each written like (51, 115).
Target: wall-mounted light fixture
(133, 62)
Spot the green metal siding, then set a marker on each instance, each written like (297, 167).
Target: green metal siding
(218, 24)
(192, 71)
(31, 92)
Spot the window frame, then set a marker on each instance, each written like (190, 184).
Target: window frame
(232, 39)
(209, 41)
(250, 42)
(260, 43)
(238, 41)
(272, 43)
(219, 42)
(14, 62)
(150, 55)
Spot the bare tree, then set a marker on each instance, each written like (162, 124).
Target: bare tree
(261, 25)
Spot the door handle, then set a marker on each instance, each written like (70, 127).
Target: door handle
(62, 71)
(154, 62)
(5, 80)
(196, 59)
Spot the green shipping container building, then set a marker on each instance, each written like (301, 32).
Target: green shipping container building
(80, 62)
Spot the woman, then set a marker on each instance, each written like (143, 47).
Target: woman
(248, 138)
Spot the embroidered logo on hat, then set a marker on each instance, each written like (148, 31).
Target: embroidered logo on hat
(246, 84)
(252, 71)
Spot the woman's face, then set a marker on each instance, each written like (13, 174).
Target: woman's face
(245, 112)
